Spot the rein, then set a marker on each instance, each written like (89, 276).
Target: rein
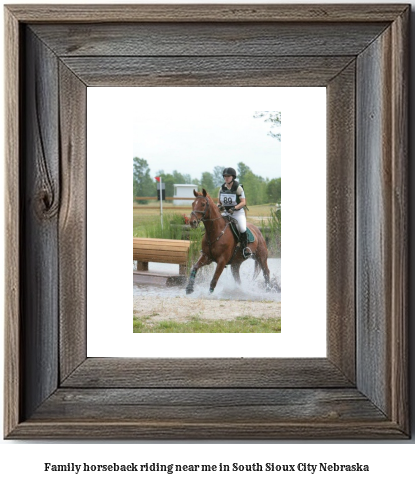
(202, 219)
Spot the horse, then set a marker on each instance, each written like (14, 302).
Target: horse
(220, 245)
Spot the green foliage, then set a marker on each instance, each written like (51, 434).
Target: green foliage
(181, 179)
(255, 189)
(208, 184)
(271, 229)
(169, 181)
(258, 190)
(173, 179)
(274, 118)
(143, 184)
(172, 227)
(274, 190)
(195, 236)
(244, 324)
(242, 171)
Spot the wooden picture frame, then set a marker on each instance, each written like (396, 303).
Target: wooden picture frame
(359, 391)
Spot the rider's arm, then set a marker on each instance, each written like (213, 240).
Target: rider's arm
(242, 203)
(242, 200)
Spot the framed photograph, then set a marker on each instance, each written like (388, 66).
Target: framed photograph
(177, 130)
(53, 387)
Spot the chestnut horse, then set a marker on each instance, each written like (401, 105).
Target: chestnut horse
(219, 243)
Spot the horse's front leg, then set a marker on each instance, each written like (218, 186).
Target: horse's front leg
(202, 261)
(218, 271)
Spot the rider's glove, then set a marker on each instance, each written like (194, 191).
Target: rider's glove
(231, 211)
(221, 207)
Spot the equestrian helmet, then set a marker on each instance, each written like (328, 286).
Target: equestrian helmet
(229, 172)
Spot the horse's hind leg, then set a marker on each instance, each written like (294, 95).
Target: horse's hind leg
(235, 272)
(265, 270)
(202, 261)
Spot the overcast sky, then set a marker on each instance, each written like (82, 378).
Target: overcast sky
(192, 130)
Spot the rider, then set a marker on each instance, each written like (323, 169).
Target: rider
(232, 200)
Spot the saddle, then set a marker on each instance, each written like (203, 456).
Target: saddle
(234, 227)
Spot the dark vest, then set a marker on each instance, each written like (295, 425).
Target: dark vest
(224, 191)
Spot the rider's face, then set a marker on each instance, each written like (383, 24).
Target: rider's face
(228, 178)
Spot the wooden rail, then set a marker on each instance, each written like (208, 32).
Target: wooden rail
(169, 198)
(147, 250)
(166, 209)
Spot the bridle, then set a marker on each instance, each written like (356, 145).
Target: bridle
(203, 212)
(203, 219)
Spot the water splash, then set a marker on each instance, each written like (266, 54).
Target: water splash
(226, 288)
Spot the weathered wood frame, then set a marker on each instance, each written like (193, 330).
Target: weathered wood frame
(359, 52)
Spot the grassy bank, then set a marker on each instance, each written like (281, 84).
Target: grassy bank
(195, 325)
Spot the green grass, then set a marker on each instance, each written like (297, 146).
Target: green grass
(243, 324)
(147, 222)
(260, 210)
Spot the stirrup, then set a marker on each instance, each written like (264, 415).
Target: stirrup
(247, 253)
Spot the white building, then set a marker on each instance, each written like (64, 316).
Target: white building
(185, 191)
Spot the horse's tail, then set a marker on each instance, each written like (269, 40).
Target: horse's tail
(257, 269)
(261, 252)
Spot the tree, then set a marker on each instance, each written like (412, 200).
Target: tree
(218, 175)
(274, 118)
(243, 170)
(168, 180)
(180, 178)
(274, 190)
(173, 179)
(143, 185)
(208, 184)
(254, 189)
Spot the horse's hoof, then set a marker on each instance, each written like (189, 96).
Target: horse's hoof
(189, 291)
(211, 290)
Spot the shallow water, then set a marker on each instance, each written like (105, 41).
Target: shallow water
(226, 287)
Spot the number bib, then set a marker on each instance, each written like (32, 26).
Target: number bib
(228, 199)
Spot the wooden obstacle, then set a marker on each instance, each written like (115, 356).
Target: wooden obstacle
(160, 251)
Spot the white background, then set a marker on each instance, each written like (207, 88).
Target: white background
(21, 463)
(110, 111)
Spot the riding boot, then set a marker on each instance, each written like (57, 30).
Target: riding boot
(246, 252)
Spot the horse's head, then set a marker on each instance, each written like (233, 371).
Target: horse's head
(200, 208)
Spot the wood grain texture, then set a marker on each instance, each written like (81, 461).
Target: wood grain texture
(341, 237)
(220, 398)
(213, 431)
(206, 13)
(13, 383)
(400, 232)
(197, 39)
(206, 373)
(382, 224)
(372, 229)
(39, 218)
(209, 405)
(72, 222)
(207, 71)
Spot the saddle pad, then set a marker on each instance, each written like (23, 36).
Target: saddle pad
(250, 236)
